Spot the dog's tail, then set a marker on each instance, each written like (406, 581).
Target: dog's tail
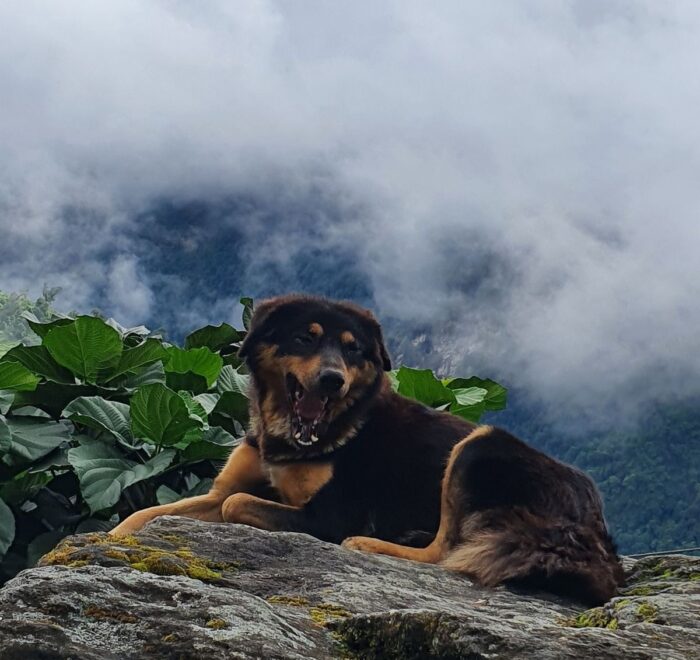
(570, 559)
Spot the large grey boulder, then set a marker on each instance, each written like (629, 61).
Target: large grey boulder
(188, 589)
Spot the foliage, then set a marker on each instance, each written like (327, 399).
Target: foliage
(467, 397)
(98, 421)
(13, 306)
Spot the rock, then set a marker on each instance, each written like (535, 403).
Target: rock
(188, 589)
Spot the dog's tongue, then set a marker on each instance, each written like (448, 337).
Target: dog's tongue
(310, 406)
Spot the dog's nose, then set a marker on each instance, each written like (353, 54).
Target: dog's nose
(330, 381)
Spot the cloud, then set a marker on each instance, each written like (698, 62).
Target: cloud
(520, 177)
(128, 290)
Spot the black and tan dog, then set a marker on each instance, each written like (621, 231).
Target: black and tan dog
(334, 452)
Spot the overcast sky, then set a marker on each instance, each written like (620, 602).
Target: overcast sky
(527, 171)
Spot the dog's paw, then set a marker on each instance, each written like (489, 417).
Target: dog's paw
(362, 543)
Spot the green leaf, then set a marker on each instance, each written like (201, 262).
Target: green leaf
(136, 331)
(86, 346)
(52, 397)
(214, 337)
(233, 405)
(42, 328)
(57, 458)
(233, 360)
(148, 375)
(471, 412)
(231, 380)
(422, 385)
(233, 387)
(199, 361)
(23, 486)
(218, 436)
(160, 416)
(6, 399)
(470, 402)
(166, 495)
(6, 345)
(15, 376)
(207, 401)
(189, 381)
(104, 473)
(102, 415)
(132, 359)
(496, 395)
(5, 437)
(215, 444)
(32, 438)
(393, 379)
(195, 408)
(7, 528)
(470, 396)
(39, 361)
(29, 411)
(247, 311)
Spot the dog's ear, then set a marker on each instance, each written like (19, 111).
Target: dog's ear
(258, 324)
(375, 331)
(383, 353)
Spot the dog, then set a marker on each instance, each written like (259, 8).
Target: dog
(334, 452)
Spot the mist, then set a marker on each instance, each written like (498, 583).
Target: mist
(521, 179)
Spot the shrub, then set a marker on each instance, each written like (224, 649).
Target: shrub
(98, 420)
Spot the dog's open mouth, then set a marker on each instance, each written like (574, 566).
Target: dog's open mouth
(308, 412)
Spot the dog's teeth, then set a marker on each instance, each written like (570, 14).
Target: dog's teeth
(314, 437)
(297, 435)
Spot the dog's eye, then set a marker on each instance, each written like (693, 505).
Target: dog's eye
(352, 347)
(304, 339)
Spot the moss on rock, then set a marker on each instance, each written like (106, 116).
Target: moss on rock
(102, 614)
(598, 617)
(647, 612)
(129, 551)
(293, 601)
(667, 568)
(216, 624)
(409, 636)
(325, 612)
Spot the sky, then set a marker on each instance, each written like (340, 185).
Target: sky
(520, 177)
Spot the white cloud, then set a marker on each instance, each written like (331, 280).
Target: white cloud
(559, 138)
(128, 290)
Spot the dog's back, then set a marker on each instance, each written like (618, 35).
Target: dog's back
(518, 516)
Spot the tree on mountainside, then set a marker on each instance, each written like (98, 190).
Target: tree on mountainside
(13, 325)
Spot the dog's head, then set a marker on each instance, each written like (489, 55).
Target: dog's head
(313, 361)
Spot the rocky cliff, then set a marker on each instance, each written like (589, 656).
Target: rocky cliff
(186, 589)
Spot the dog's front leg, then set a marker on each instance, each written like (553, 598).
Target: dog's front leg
(243, 471)
(264, 514)
(332, 514)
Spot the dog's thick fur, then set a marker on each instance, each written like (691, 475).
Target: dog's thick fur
(376, 464)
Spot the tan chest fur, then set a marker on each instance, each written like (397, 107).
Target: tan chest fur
(298, 483)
